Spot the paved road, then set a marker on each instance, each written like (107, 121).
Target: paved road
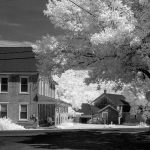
(74, 139)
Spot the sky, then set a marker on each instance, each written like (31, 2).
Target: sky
(23, 20)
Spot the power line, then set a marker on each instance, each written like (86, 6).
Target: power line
(16, 52)
(17, 58)
(82, 8)
(86, 11)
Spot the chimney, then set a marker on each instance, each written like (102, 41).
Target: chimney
(105, 91)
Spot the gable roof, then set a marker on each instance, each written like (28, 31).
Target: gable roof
(17, 59)
(88, 109)
(106, 108)
(63, 102)
(115, 98)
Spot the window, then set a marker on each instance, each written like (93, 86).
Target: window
(66, 109)
(24, 85)
(40, 86)
(46, 89)
(105, 115)
(57, 110)
(4, 84)
(3, 110)
(52, 90)
(23, 112)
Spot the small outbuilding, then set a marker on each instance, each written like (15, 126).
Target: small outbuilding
(107, 115)
(115, 102)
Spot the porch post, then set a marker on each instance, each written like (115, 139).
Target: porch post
(55, 115)
(119, 118)
(120, 115)
(37, 116)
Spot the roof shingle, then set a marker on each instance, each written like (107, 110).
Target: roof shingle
(115, 98)
(17, 59)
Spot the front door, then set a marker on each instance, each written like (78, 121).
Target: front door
(105, 117)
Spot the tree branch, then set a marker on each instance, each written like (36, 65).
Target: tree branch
(146, 72)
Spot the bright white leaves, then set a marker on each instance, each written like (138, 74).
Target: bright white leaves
(108, 34)
(119, 21)
(72, 89)
(136, 100)
(143, 2)
(48, 43)
(107, 21)
(7, 124)
(135, 41)
(47, 46)
(64, 14)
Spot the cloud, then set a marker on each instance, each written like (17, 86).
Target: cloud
(5, 43)
(12, 24)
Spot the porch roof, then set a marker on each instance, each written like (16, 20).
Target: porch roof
(46, 99)
(85, 116)
(63, 102)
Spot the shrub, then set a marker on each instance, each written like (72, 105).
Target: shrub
(7, 124)
(148, 121)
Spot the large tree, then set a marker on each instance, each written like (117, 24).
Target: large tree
(108, 37)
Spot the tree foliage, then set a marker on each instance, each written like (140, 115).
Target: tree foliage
(102, 20)
(135, 95)
(109, 37)
(72, 89)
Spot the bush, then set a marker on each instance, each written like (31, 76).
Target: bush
(95, 121)
(148, 121)
(7, 124)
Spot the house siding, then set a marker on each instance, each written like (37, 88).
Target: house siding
(112, 116)
(61, 114)
(14, 98)
(117, 102)
(46, 88)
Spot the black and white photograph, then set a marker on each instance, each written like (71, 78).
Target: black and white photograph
(74, 74)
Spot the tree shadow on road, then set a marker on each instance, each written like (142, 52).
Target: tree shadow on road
(90, 139)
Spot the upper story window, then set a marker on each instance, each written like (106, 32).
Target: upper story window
(24, 85)
(4, 85)
(52, 90)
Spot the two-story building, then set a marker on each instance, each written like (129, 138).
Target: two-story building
(26, 97)
(113, 107)
(107, 108)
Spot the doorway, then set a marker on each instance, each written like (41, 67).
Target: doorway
(45, 111)
(105, 117)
